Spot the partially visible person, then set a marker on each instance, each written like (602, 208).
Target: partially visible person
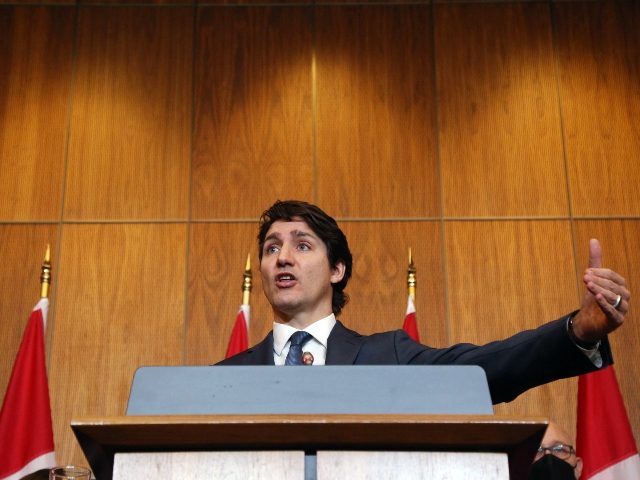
(306, 263)
(556, 458)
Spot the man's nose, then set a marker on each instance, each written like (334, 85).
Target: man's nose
(285, 255)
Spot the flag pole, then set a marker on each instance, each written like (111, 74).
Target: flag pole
(246, 281)
(410, 325)
(45, 274)
(411, 277)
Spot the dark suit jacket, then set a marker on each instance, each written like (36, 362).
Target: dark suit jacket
(514, 365)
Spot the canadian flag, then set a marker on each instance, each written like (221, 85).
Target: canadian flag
(410, 324)
(26, 432)
(239, 340)
(604, 437)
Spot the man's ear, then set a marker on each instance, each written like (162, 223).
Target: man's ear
(337, 272)
(578, 469)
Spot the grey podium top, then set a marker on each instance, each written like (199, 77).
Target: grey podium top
(236, 390)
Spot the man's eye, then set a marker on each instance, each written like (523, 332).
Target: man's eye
(303, 246)
(271, 249)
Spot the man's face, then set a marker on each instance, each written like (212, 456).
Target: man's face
(555, 436)
(296, 275)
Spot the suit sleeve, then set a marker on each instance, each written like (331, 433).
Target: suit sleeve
(523, 361)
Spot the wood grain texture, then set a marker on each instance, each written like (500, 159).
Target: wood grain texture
(253, 130)
(217, 257)
(378, 288)
(375, 112)
(344, 431)
(35, 85)
(504, 277)
(137, 2)
(369, 2)
(599, 62)
(121, 305)
(258, 3)
(500, 135)
(37, 2)
(23, 247)
(131, 116)
(620, 242)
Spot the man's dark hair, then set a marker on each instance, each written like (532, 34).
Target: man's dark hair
(324, 227)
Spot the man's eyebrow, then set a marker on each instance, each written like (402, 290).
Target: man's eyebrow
(272, 236)
(295, 233)
(302, 233)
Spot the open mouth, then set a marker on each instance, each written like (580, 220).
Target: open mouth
(285, 280)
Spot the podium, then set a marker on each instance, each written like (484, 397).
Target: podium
(390, 439)
(515, 440)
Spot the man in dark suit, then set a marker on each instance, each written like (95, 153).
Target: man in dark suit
(305, 264)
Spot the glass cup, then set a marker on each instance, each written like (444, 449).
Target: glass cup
(69, 473)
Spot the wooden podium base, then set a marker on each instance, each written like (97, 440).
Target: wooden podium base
(331, 446)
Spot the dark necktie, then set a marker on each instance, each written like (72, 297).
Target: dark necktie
(294, 357)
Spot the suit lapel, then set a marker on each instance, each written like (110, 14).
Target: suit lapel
(343, 345)
(262, 353)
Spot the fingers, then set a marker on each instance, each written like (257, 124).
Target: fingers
(606, 279)
(595, 253)
(606, 273)
(609, 289)
(615, 316)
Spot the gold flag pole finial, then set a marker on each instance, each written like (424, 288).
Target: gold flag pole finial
(246, 281)
(411, 277)
(45, 275)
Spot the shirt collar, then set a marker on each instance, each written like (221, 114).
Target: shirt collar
(320, 329)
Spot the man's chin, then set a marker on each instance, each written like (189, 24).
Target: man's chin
(285, 310)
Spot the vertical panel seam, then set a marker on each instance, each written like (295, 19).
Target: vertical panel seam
(556, 55)
(51, 317)
(443, 237)
(187, 249)
(314, 107)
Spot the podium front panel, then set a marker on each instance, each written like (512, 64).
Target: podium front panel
(357, 465)
(265, 465)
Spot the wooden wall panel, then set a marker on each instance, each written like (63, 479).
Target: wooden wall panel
(621, 252)
(253, 130)
(120, 305)
(258, 3)
(375, 112)
(500, 135)
(217, 257)
(37, 2)
(504, 277)
(35, 82)
(23, 248)
(378, 287)
(131, 116)
(137, 2)
(599, 58)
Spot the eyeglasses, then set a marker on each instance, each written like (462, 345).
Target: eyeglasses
(558, 450)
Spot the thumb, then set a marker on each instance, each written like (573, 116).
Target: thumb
(595, 253)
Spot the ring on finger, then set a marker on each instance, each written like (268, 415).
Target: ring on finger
(618, 301)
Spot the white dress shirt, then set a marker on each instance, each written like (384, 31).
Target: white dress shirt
(317, 345)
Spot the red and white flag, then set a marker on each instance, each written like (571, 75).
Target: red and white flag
(410, 324)
(604, 437)
(26, 431)
(239, 340)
